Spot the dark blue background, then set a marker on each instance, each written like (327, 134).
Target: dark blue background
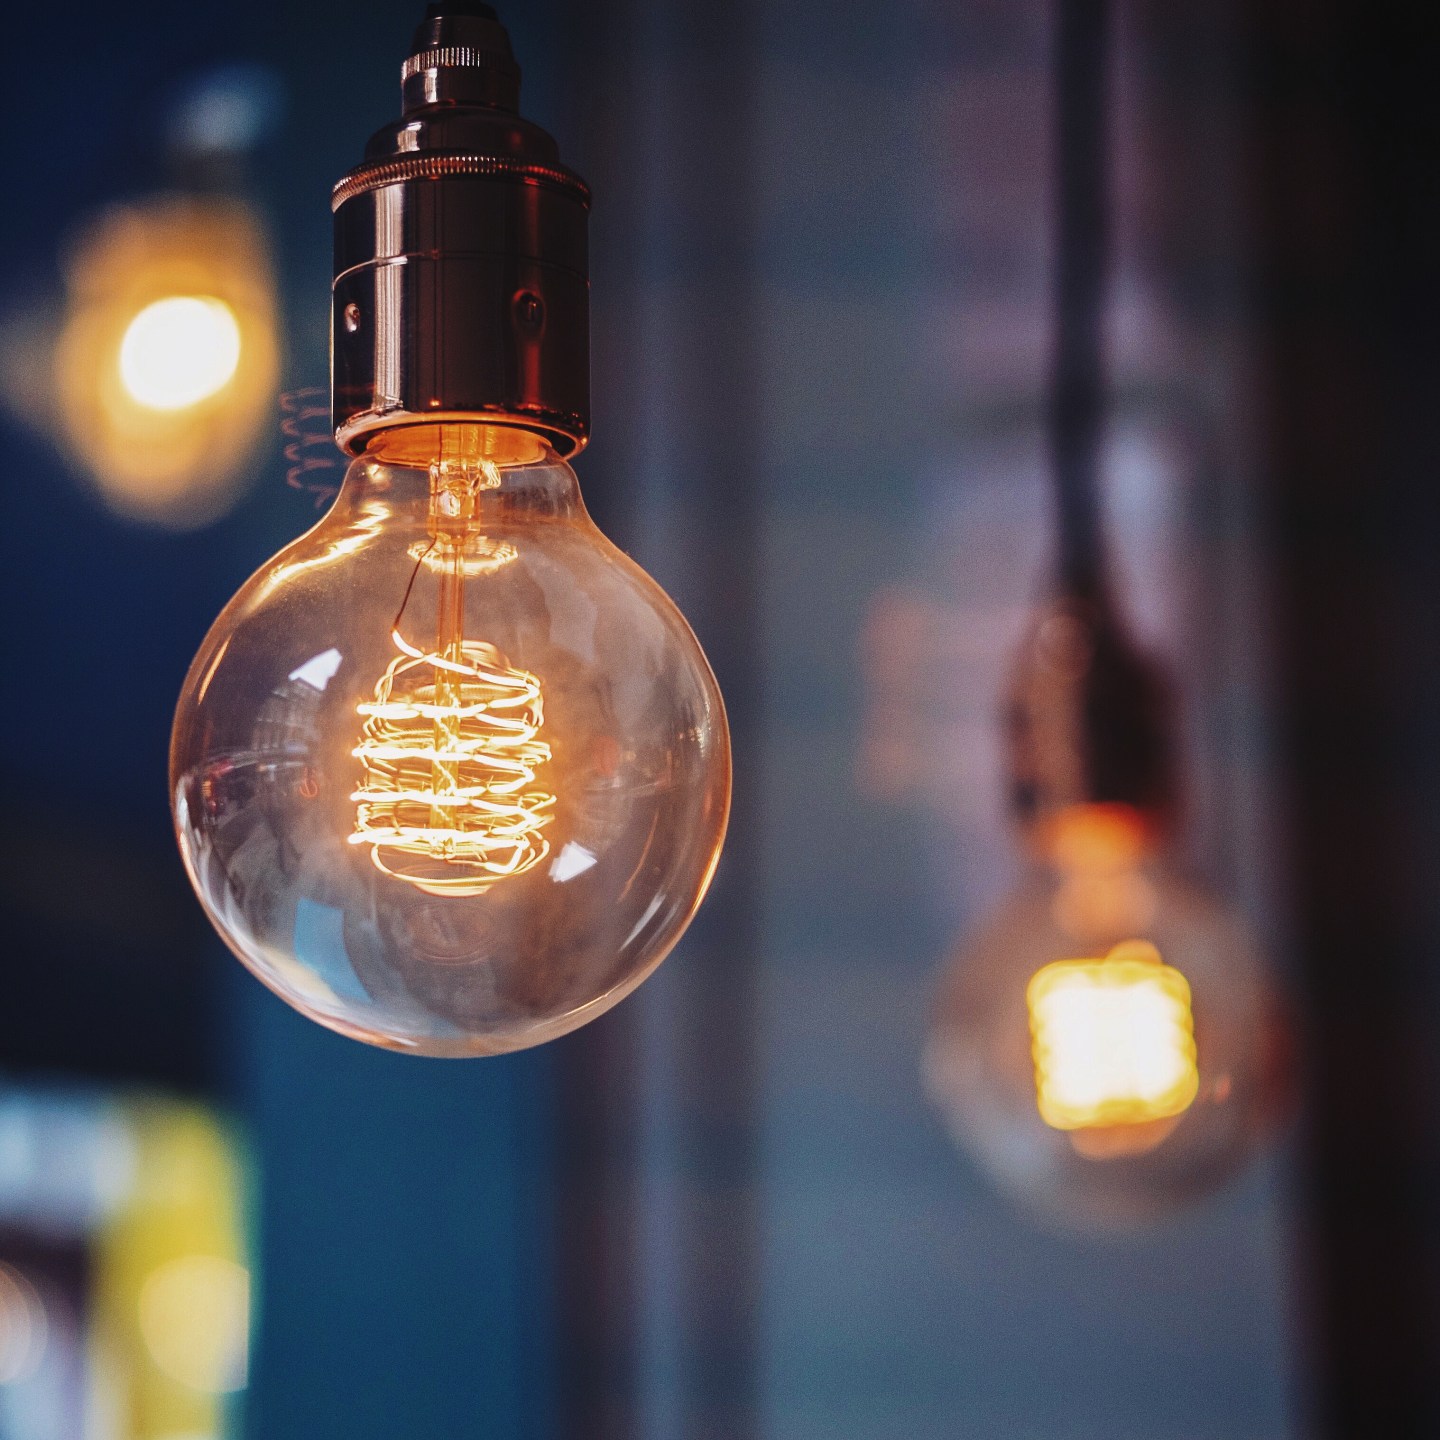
(821, 318)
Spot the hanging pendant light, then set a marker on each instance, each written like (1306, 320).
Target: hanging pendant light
(1106, 1043)
(450, 773)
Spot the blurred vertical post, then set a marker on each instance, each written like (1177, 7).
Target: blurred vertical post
(1345, 121)
(719, 422)
(598, 73)
(658, 1215)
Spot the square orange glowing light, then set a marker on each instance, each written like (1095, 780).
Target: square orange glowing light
(1113, 1040)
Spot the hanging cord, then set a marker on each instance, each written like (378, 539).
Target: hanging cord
(1077, 377)
(1089, 720)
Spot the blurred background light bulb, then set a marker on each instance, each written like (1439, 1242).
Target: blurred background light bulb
(161, 357)
(167, 358)
(1106, 1043)
(179, 351)
(1106, 1066)
(451, 773)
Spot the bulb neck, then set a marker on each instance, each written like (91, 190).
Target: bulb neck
(420, 446)
(476, 478)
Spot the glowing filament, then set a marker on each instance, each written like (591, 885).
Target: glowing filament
(1113, 1040)
(451, 752)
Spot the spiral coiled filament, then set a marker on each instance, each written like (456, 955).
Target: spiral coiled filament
(450, 747)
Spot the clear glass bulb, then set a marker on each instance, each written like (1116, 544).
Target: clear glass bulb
(1106, 1045)
(451, 773)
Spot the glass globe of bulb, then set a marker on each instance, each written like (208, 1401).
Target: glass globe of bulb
(451, 773)
(1105, 1045)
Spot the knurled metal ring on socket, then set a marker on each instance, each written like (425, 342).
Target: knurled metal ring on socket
(438, 167)
(455, 57)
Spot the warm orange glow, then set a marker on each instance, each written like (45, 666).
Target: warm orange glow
(166, 363)
(1096, 837)
(416, 446)
(451, 753)
(481, 556)
(451, 745)
(1113, 1040)
(179, 351)
(1097, 852)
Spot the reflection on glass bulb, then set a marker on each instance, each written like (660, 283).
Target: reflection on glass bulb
(473, 841)
(179, 351)
(1105, 1043)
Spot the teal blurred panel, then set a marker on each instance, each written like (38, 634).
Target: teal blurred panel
(405, 1272)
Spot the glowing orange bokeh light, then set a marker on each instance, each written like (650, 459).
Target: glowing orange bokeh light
(167, 360)
(178, 351)
(1113, 1040)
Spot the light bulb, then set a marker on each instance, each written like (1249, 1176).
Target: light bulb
(1105, 1043)
(166, 363)
(451, 773)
